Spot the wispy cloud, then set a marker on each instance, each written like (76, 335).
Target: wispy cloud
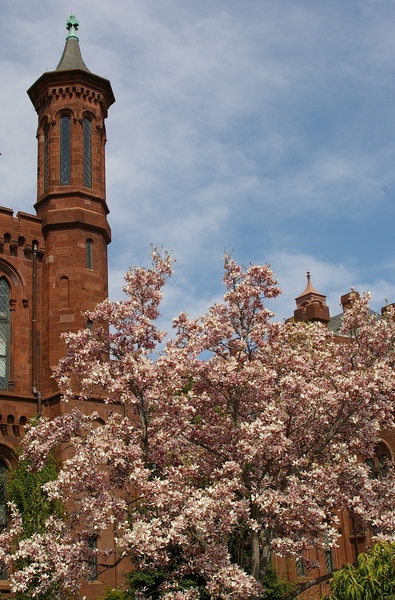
(262, 127)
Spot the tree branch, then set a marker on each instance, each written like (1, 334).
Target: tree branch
(305, 586)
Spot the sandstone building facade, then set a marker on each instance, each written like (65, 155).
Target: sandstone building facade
(53, 264)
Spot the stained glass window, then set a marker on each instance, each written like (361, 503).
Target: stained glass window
(65, 136)
(4, 331)
(87, 153)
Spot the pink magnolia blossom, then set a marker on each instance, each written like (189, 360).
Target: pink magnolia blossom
(241, 427)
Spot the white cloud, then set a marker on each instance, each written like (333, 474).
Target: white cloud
(261, 126)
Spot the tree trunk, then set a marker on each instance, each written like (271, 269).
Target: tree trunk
(255, 556)
(264, 563)
(260, 557)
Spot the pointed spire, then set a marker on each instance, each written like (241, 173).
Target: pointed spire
(72, 57)
(310, 293)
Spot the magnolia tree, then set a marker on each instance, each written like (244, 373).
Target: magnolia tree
(242, 431)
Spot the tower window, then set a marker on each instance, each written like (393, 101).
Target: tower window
(89, 254)
(46, 157)
(4, 331)
(87, 152)
(65, 135)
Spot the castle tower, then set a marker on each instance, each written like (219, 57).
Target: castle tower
(72, 105)
(311, 305)
(53, 264)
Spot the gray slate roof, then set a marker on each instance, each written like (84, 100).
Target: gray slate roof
(336, 322)
(72, 57)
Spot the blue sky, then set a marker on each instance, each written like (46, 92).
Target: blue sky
(262, 127)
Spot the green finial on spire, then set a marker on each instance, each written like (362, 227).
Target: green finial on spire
(71, 57)
(72, 27)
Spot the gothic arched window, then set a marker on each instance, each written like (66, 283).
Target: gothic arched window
(87, 128)
(4, 331)
(65, 143)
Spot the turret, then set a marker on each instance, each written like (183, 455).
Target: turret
(311, 305)
(72, 104)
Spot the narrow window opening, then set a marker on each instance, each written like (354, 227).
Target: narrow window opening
(46, 157)
(329, 564)
(329, 561)
(87, 152)
(300, 567)
(4, 331)
(92, 563)
(65, 136)
(89, 254)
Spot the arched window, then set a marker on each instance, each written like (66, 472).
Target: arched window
(378, 462)
(65, 138)
(89, 254)
(4, 331)
(46, 156)
(87, 152)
